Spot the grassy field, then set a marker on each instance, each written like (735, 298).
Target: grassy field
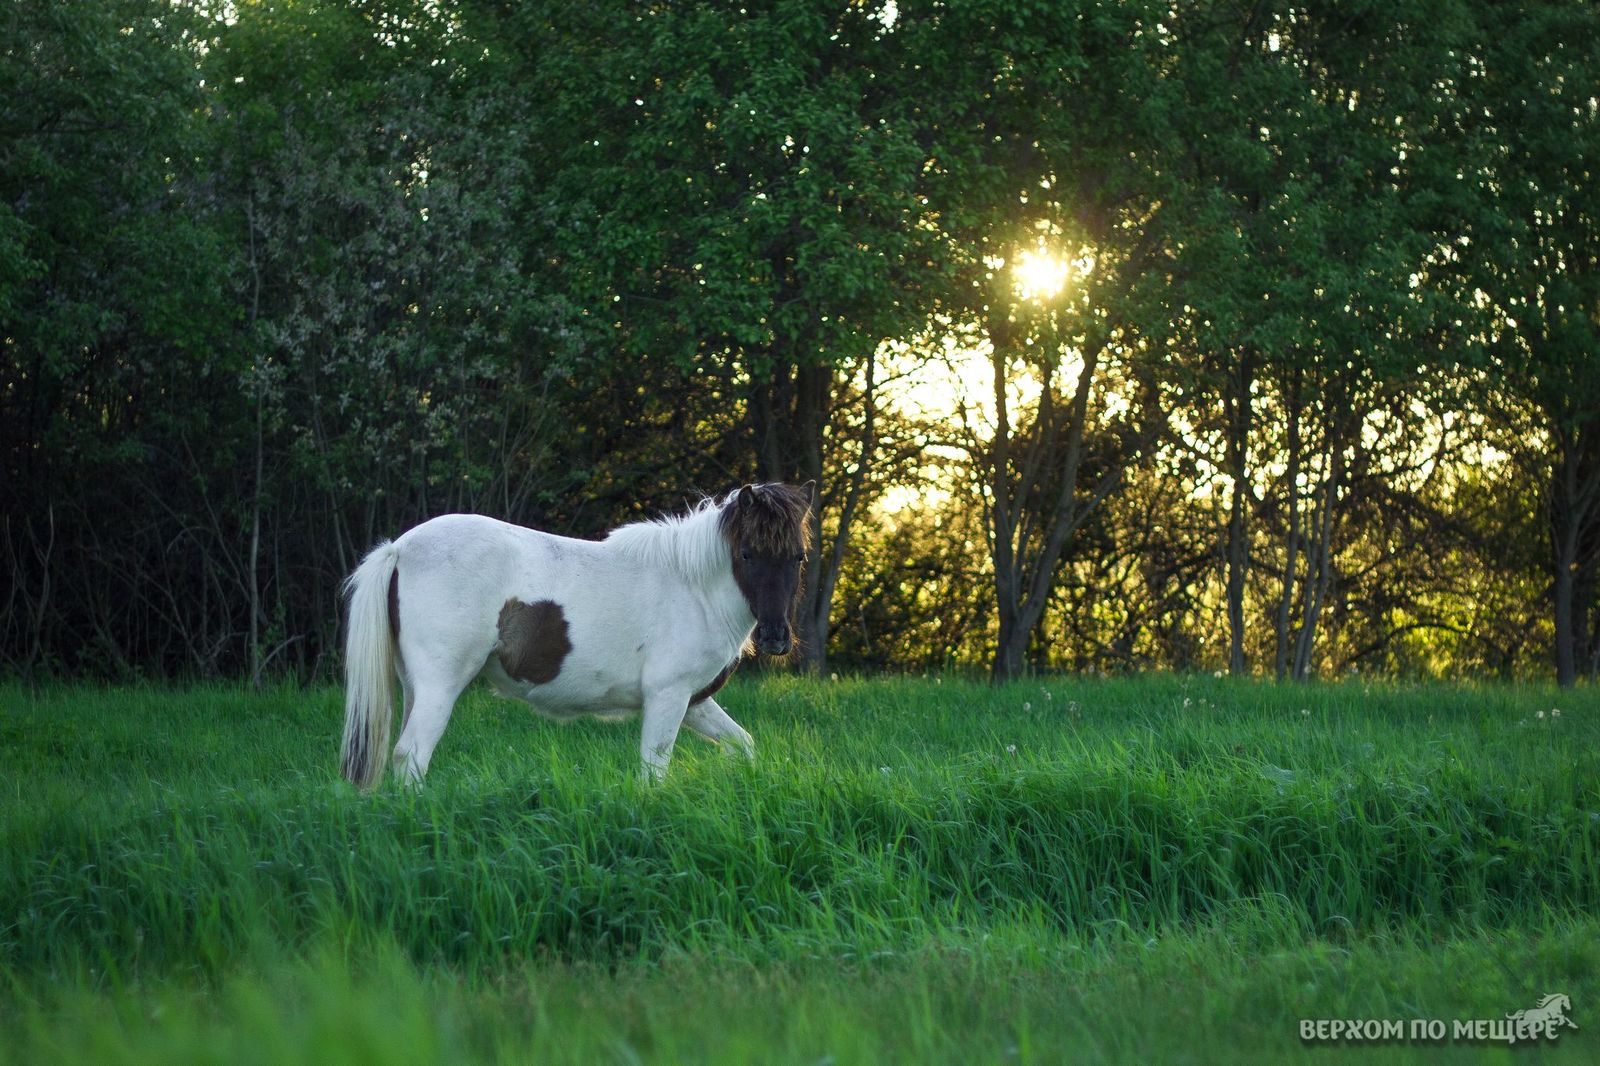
(1168, 868)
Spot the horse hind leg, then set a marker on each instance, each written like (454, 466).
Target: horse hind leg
(408, 692)
(430, 697)
(408, 695)
(442, 646)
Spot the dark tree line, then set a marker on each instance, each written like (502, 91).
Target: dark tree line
(1313, 386)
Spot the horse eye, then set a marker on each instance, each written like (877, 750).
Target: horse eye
(745, 556)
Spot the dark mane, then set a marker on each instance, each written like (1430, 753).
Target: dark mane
(774, 521)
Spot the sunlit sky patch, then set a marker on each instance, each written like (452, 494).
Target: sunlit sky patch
(1040, 275)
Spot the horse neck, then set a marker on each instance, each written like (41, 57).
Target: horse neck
(727, 606)
(693, 550)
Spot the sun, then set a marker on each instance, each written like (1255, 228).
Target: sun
(1040, 275)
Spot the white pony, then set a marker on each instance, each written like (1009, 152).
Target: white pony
(652, 619)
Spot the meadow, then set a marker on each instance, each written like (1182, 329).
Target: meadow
(1175, 868)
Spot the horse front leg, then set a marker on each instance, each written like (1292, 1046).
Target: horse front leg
(664, 710)
(709, 720)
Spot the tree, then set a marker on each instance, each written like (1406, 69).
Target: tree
(739, 197)
(1532, 241)
(1036, 154)
(1298, 212)
(110, 301)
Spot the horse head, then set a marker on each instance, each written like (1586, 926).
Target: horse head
(1556, 1006)
(768, 529)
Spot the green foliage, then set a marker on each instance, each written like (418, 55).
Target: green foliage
(279, 278)
(104, 275)
(732, 191)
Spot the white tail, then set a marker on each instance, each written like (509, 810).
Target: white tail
(368, 669)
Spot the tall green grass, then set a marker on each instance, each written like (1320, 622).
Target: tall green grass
(1230, 993)
(895, 838)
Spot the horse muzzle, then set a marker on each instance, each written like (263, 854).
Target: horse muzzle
(775, 643)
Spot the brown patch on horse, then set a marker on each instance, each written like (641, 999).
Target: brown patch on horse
(533, 640)
(394, 603)
(716, 683)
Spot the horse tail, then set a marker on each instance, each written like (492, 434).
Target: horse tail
(369, 656)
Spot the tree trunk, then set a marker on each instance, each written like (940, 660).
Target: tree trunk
(1238, 549)
(256, 663)
(812, 389)
(768, 400)
(1320, 558)
(1023, 577)
(1575, 491)
(827, 559)
(1292, 545)
(1566, 649)
(1585, 608)
(1012, 646)
(1564, 521)
(788, 413)
(1007, 662)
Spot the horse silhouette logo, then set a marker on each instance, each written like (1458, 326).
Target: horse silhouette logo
(1547, 1019)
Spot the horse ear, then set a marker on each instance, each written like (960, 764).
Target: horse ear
(747, 497)
(810, 489)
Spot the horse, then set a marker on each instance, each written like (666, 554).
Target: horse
(1546, 1019)
(651, 620)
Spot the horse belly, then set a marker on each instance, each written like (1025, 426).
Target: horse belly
(575, 693)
